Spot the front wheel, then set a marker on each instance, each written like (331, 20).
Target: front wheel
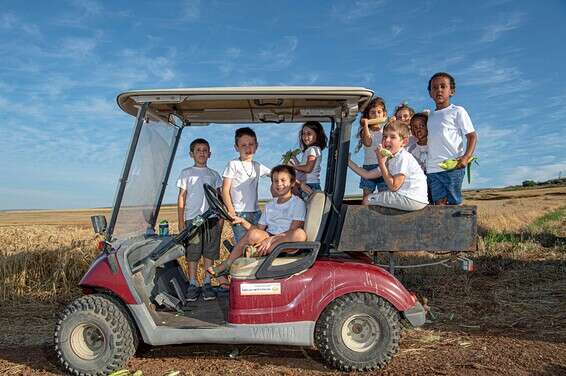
(94, 336)
(358, 332)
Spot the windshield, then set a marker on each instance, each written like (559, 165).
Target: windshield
(145, 179)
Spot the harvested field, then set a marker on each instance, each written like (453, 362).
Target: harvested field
(507, 318)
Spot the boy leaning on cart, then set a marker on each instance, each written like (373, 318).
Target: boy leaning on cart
(192, 202)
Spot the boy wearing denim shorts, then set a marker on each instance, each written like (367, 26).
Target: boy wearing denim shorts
(448, 126)
(192, 202)
(241, 177)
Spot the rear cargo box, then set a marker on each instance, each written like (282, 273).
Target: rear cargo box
(433, 229)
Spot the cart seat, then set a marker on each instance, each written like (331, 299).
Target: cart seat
(245, 268)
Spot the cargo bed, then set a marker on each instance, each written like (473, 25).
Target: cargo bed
(432, 229)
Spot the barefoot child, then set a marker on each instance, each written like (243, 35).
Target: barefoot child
(312, 140)
(405, 179)
(282, 221)
(241, 176)
(192, 202)
(448, 126)
(371, 123)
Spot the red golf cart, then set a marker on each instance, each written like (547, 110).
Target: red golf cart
(329, 295)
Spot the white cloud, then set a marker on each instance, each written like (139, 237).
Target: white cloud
(78, 48)
(279, 55)
(492, 32)
(396, 30)
(538, 172)
(356, 10)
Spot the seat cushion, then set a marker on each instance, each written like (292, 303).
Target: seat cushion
(246, 267)
(315, 210)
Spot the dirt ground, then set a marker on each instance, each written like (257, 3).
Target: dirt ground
(506, 318)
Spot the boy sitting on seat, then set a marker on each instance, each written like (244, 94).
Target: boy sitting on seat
(282, 221)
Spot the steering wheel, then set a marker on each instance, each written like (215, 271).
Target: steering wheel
(216, 203)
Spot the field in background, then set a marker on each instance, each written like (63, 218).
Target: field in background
(514, 303)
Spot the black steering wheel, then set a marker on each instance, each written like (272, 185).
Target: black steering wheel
(216, 203)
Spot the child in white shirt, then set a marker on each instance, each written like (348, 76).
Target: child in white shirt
(419, 149)
(312, 140)
(406, 181)
(192, 202)
(241, 177)
(448, 126)
(282, 221)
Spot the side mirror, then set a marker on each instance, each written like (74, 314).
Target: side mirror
(98, 223)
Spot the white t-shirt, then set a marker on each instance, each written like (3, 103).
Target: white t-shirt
(192, 180)
(314, 175)
(369, 151)
(420, 152)
(278, 217)
(414, 186)
(245, 176)
(447, 129)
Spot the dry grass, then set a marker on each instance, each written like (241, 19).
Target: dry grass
(45, 253)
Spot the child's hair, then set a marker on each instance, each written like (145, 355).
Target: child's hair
(284, 168)
(402, 129)
(420, 115)
(443, 74)
(245, 131)
(376, 101)
(198, 141)
(321, 139)
(404, 106)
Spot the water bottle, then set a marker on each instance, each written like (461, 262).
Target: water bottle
(163, 228)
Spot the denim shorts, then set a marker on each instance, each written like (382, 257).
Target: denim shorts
(446, 184)
(314, 186)
(238, 230)
(372, 184)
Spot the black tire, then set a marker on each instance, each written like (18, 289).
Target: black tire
(358, 332)
(94, 335)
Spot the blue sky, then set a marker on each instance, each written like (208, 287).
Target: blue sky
(63, 139)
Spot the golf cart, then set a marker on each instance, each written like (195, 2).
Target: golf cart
(328, 295)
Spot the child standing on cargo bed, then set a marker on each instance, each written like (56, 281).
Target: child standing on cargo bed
(448, 126)
(419, 149)
(241, 177)
(191, 203)
(370, 134)
(406, 181)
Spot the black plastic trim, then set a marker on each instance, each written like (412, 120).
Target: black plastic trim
(268, 271)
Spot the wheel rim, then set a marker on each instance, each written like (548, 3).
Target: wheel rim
(87, 341)
(360, 332)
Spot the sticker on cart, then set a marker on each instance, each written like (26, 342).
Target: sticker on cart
(260, 289)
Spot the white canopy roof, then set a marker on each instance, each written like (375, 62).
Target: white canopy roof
(250, 104)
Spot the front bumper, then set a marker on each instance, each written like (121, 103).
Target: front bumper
(416, 315)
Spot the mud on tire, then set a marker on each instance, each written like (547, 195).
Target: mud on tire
(358, 332)
(94, 335)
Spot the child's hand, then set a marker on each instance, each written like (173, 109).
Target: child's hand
(379, 154)
(392, 119)
(236, 220)
(306, 188)
(463, 161)
(263, 247)
(364, 122)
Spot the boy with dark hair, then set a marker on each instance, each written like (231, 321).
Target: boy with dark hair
(282, 221)
(192, 202)
(448, 125)
(241, 177)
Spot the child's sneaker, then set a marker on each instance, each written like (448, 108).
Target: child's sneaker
(207, 292)
(193, 292)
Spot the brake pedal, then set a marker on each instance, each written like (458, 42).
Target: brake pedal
(178, 290)
(166, 300)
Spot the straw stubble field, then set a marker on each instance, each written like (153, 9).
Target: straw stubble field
(508, 317)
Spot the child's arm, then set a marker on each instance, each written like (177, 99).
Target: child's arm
(472, 139)
(265, 245)
(307, 167)
(247, 225)
(181, 200)
(365, 134)
(394, 182)
(226, 185)
(373, 174)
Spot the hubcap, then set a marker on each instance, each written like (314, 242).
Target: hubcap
(87, 341)
(360, 332)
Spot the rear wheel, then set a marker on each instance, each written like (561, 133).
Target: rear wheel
(94, 335)
(358, 332)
